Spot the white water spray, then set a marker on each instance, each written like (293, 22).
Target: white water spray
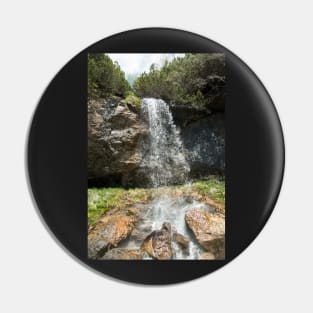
(165, 161)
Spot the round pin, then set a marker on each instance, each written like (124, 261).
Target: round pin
(155, 156)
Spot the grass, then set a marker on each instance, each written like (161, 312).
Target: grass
(101, 200)
(213, 188)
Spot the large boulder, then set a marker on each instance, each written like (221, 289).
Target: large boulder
(114, 130)
(158, 244)
(108, 232)
(209, 230)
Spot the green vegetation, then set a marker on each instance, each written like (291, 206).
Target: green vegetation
(101, 200)
(196, 79)
(105, 77)
(213, 188)
(132, 99)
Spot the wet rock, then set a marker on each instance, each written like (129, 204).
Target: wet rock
(209, 230)
(158, 243)
(189, 199)
(109, 231)
(123, 254)
(118, 142)
(181, 240)
(204, 143)
(139, 235)
(133, 211)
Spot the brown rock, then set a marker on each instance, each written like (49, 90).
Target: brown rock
(181, 240)
(109, 231)
(209, 230)
(214, 204)
(158, 243)
(123, 254)
(133, 210)
(207, 256)
(113, 135)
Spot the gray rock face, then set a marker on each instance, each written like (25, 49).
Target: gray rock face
(117, 132)
(204, 142)
(203, 136)
(114, 130)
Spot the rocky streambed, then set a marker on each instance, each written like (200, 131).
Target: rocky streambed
(167, 227)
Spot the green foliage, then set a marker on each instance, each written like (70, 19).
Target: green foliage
(132, 99)
(196, 100)
(196, 79)
(101, 200)
(213, 188)
(105, 77)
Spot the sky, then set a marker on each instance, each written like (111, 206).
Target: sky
(133, 64)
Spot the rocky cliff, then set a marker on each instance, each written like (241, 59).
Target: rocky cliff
(116, 131)
(203, 136)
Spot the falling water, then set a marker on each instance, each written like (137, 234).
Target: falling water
(164, 159)
(165, 163)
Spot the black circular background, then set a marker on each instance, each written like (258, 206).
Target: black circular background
(57, 155)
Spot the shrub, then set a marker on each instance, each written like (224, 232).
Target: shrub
(105, 77)
(132, 99)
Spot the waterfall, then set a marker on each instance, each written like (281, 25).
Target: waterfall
(164, 158)
(164, 163)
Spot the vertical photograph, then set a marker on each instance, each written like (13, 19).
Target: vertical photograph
(156, 156)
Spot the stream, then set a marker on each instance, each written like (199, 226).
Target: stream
(166, 209)
(166, 165)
